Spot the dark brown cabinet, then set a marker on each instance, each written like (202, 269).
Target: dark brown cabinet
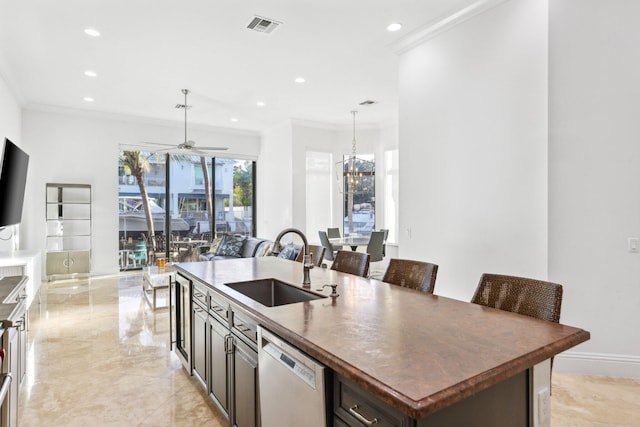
(219, 363)
(245, 385)
(220, 342)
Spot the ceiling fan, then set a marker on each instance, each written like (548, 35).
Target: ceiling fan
(188, 145)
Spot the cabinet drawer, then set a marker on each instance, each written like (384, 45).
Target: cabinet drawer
(242, 323)
(219, 308)
(358, 407)
(199, 293)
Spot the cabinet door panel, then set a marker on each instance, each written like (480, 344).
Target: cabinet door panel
(245, 380)
(79, 261)
(219, 363)
(200, 343)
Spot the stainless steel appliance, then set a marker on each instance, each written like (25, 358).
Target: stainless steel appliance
(292, 384)
(182, 318)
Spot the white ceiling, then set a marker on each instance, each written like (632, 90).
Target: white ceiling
(150, 49)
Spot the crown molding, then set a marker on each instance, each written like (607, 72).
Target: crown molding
(442, 24)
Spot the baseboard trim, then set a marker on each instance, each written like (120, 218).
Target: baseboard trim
(613, 365)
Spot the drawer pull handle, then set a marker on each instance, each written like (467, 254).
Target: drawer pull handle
(217, 308)
(242, 328)
(355, 413)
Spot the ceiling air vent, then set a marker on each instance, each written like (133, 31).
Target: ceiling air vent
(368, 102)
(263, 25)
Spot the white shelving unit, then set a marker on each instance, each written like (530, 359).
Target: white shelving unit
(68, 218)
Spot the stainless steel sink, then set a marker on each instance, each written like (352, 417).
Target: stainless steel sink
(272, 292)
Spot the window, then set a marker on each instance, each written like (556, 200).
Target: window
(358, 177)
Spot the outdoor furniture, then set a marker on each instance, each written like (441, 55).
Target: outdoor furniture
(407, 273)
(352, 262)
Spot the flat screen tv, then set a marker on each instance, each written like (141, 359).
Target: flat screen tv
(13, 178)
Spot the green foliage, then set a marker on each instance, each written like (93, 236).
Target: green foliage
(242, 184)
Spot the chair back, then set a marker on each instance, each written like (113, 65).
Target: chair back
(317, 254)
(412, 274)
(374, 248)
(351, 262)
(324, 240)
(384, 245)
(534, 298)
(333, 233)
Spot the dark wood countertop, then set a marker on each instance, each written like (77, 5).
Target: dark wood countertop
(417, 352)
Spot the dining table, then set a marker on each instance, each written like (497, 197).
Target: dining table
(352, 241)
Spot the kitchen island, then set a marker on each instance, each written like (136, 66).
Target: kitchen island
(417, 353)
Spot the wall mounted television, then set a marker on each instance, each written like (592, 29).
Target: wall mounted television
(13, 178)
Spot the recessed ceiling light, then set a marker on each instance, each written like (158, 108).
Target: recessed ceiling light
(90, 73)
(300, 80)
(394, 27)
(260, 104)
(234, 120)
(92, 32)
(88, 99)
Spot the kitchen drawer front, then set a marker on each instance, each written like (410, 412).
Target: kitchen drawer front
(356, 407)
(219, 308)
(199, 293)
(245, 325)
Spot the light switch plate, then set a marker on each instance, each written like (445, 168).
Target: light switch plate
(634, 244)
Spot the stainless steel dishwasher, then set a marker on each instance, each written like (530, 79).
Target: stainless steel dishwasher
(292, 385)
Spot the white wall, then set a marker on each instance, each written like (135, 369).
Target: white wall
(274, 192)
(10, 121)
(76, 148)
(473, 148)
(594, 175)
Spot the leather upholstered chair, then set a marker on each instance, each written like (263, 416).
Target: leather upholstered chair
(317, 254)
(534, 298)
(530, 297)
(412, 274)
(351, 262)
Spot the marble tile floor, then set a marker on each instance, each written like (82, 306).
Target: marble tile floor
(98, 355)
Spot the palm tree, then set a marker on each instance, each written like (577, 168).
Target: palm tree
(136, 164)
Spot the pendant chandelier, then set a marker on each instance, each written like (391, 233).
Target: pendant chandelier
(351, 172)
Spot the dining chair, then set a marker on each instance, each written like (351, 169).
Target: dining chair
(374, 248)
(334, 233)
(317, 254)
(412, 274)
(330, 252)
(384, 244)
(351, 262)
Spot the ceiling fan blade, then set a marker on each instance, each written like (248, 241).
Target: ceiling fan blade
(145, 144)
(212, 148)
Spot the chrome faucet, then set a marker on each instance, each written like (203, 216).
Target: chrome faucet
(306, 261)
